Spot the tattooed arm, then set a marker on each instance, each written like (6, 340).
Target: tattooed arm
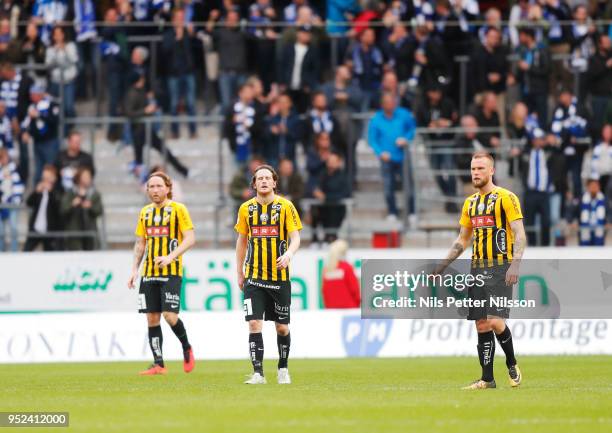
(520, 239)
(520, 242)
(459, 246)
(139, 250)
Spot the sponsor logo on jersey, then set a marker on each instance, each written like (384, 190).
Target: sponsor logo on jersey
(483, 221)
(157, 219)
(264, 231)
(156, 232)
(263, 218)
(481, 207)
(501, 241)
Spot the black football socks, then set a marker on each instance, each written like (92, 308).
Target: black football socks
(486, 353)
(156, 341)
(181, 334)
(256, 349)
(284, 343)
(505, 341)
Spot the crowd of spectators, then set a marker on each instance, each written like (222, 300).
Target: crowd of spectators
(292, 73)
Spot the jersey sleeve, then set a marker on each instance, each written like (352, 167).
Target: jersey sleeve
(512, 207)
(242, 225)
(184, 219)
(292, 218)
(140, 228)
(465, 220)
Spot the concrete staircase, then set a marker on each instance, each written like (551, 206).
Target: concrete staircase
(123, 195)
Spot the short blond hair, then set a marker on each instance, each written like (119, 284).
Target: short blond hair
(483, 154)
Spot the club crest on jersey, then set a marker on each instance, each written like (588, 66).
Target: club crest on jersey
(481, 207)
(274, 218)
(157, 219)
(263, 218)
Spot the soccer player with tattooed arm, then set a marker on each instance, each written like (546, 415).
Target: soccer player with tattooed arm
(268, 229)
(492, 219)
(164, 233)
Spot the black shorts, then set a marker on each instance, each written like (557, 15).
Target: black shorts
(494, 288)
(159, 294)
(267, 300)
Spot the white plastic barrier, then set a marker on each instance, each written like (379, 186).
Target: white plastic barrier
(73, 337)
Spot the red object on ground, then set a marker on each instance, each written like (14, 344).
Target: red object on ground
(391, 239)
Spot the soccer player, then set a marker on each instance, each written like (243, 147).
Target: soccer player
(492, 216)
(165, 233)
(268, 237)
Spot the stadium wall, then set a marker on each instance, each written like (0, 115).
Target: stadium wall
(72, 307)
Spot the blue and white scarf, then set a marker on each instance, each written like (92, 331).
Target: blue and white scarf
(50, 11)
(592, 219)
(84, 20)
(374, 53)
(11, 187)
(244, 118)
(6, 133)
(321, 122)
(9, 93)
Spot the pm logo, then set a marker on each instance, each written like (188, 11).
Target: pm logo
(364, 337)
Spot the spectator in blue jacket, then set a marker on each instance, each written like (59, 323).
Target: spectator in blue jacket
(389, 133)
(592, 215)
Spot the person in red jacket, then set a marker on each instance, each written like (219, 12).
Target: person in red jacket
(340, 285)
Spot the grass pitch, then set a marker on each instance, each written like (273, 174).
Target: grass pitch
(559, 394)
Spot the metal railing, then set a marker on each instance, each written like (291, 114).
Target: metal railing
(99, 235)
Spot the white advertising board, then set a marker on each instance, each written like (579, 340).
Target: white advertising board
(96, 281)
(76, 337)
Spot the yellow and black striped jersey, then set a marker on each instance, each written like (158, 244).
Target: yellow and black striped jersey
(489, 217)
(163, 228)
(267, 228)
